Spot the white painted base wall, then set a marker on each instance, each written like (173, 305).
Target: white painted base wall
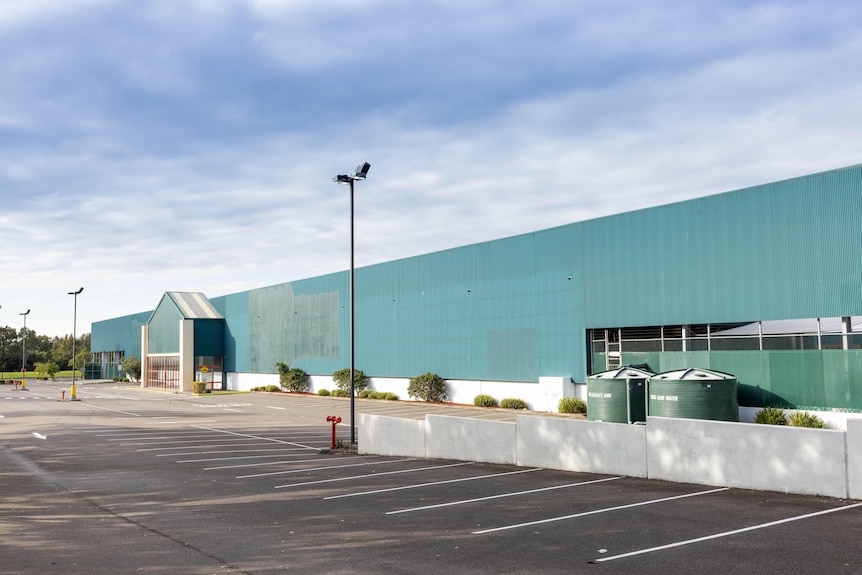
(542, 396)
(748, 456)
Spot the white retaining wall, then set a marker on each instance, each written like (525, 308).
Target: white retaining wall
(854, 458)
(448, 437)
(748, 456)
(576, 445)
(392, 436)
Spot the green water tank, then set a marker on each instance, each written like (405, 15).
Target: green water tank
(694, 394)
(618, 395)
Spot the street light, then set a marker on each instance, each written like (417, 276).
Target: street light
(74, 337)
(359, 174)
(24, 351)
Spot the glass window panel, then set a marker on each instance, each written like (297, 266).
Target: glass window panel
(673, 345)
(735, 343)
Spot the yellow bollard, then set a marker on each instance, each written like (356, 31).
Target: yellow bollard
(23, 385)
(74, 397)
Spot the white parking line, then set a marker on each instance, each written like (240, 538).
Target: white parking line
(269, 449)
(109, 409)
(190, 447)
(198, 439)
(235, 457)
(434, 483)
(138, 437)
(374, 475)
(596, 511)
(725, 533)
(266, 463)
(326, 467)
(501, 496)
(254, 436)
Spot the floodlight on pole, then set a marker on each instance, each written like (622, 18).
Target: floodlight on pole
(74, 397)
(359, 174)
(24, 351)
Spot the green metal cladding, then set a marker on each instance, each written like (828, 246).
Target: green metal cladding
(518, 308)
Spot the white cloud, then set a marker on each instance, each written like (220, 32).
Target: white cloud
(190, 145)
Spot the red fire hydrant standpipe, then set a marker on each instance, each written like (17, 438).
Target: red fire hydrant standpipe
(335, 421)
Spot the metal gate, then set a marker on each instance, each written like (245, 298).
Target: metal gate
(163, 371)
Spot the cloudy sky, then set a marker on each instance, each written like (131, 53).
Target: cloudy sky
(190, 145)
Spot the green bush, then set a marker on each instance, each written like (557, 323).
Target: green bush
(572, 405)
(342, 380)
(389, 396)
(364, 394)
(484, 400)
(339, 393)
(323, 392)
(802, 419)
(292, 378)
(770, 416)
(428, 387)
(513, 403)
(272, 388)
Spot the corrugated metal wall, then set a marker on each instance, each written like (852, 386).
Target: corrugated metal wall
(164, 328)
(783, 250)
(519, 307)
(119, 334)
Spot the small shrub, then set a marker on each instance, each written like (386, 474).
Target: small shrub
(389, 396)
(513, 403)
(802, 419)
(364, 394)
(572, 405)
(342, 380)
(323, 392)
(292, 378)
(484, 400)
(272, 388)
(428, 387)
(770, 416)
(339, 393)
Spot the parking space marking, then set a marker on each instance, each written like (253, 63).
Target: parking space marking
(235, 457)
(326, 467)
(351, 477)
(502, 495)
(418, 485)
(197, 439)
(597, 511)
(725, 533)
(266, 463)
(219, 451)
(145, 449)
(129, 413)
(226, 432)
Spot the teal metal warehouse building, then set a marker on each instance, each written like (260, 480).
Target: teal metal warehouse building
(764, 283)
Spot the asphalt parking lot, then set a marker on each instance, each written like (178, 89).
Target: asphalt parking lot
(134, 481)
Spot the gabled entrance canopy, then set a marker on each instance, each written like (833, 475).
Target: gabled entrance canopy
(183, 342)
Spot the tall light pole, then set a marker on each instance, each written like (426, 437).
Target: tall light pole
(74, 294)
(359, 174)
(24, 350)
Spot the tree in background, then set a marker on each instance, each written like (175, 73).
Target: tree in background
(132, 367)
(40, 349)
